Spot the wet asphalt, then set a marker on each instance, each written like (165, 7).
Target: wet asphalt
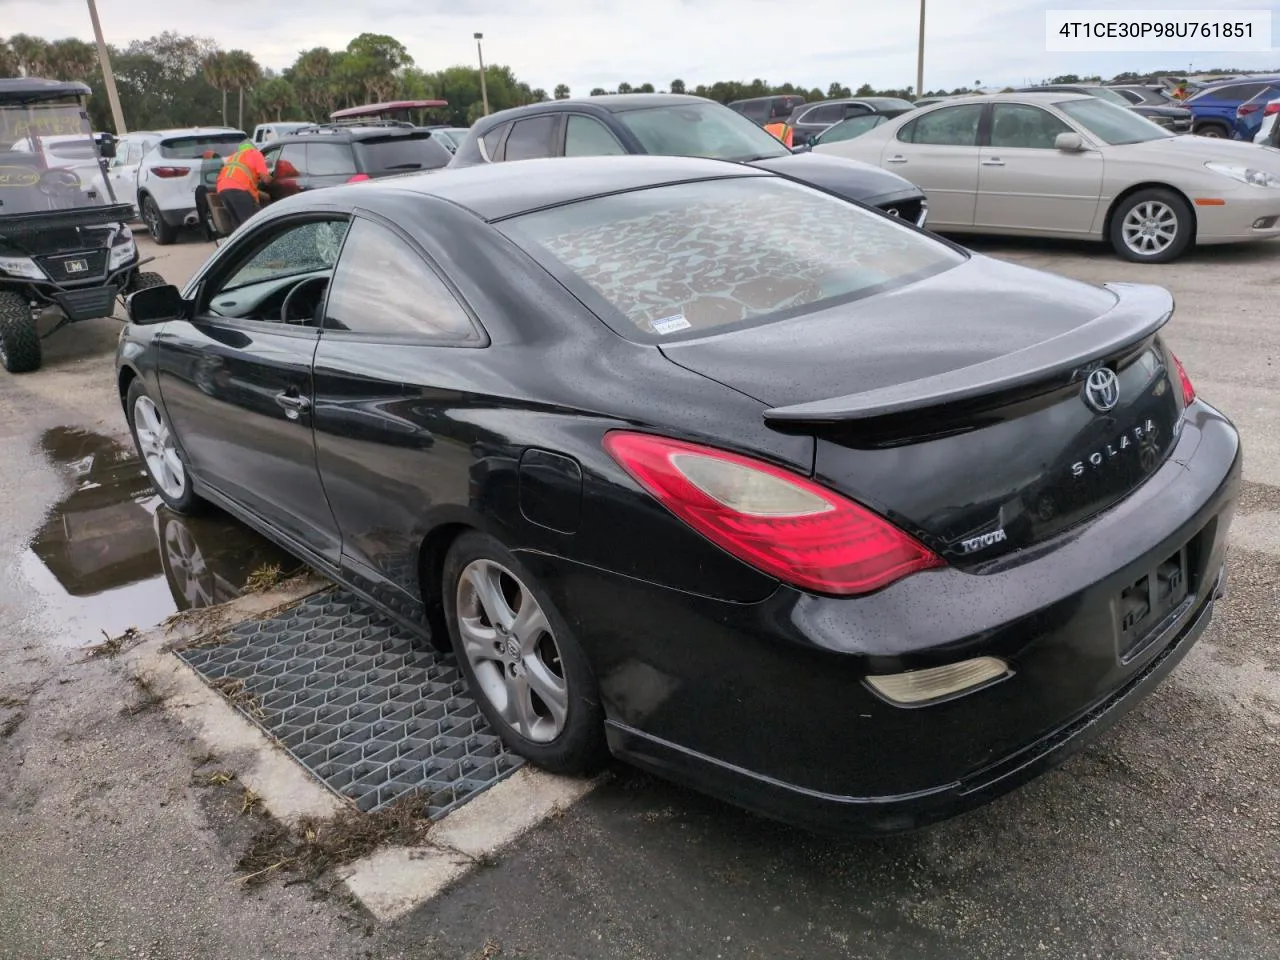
(1161, 840)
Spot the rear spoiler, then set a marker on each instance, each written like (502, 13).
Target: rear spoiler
(1140, 310)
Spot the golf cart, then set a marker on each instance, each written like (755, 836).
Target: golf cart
(63, 243)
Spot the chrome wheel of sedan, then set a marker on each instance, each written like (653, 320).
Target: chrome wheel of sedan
(1150, 228)
(158, 449)
(512, 650)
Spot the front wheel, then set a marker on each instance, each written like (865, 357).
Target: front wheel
(1152, 226)
(158, 446)
(19, 337)
(142, 279)
(528, 674)
(161, 232)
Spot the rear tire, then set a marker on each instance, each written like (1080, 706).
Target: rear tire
(19, 337)
(1152, 226)
(161, 232)
(1210, 129)
(536, 687)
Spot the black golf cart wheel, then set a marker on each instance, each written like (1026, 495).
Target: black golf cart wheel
(143, 279)
(19, 338)
(161, 232)
(526, 670)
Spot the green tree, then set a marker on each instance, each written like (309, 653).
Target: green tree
(677, 86)
(645, 88)
(624, 88)
(310, 76)
(30, 54)
(72, 59)
(836, 91)
(242, 72)
(375, 60)
(274, 97)
(599, 92)
(562, 91)
(215, 74)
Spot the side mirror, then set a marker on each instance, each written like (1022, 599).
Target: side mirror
(1068, 143)
(156, 305)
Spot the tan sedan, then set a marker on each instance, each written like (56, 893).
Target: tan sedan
(1069, 165)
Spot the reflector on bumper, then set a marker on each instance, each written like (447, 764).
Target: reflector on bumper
(921, 686)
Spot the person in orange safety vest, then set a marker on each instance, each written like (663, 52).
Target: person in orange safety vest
(781, 131)
(240, 181)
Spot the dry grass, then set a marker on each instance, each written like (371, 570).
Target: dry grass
(314, 847)
(219, 778)
(148, 697)
(111, 646)
(265, 578)
(491, 949)
(234, 690)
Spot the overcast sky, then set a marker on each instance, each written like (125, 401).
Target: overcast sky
(589, 43)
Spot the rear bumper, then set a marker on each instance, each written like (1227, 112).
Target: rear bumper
(765, 705)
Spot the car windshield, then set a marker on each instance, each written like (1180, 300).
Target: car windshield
(1102, 93)
(47, 157)
(700, 256)
(890, 103)
(196, 147)
(1111, 124)
(853, 127)
(701, 130)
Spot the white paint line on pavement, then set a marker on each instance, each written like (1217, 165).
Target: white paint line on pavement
(393, 882)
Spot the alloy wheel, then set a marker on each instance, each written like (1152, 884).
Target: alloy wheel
(1150, 228)
(512, 650)
(159, 450)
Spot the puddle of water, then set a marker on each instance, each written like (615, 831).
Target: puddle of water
(112, 556)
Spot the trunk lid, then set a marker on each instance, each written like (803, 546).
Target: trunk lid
(958, 407)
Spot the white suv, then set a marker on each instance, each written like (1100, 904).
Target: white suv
(161, 172)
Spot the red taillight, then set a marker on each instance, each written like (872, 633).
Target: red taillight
(1188, 391)
(1245, 109)
(359, 178)
(1271, 108)
(774, 520)
(168, 173)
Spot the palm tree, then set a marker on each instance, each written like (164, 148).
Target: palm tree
(242, 71)
(72, 59)
(8, 62)
(311, 73)
(215, 74)
(31, 54)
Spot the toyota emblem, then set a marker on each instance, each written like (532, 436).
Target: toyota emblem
(1102, 390)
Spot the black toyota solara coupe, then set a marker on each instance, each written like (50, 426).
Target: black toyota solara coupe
(846, 525)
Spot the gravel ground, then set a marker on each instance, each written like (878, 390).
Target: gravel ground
(1161, 840)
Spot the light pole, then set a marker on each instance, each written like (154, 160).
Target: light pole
(920, 57)
(484, 91)
(108, 78)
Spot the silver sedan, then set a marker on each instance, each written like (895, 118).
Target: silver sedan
(1069, 165)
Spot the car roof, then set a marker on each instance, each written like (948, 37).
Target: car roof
(1035, 97)
(340, 132)
(606, 103)
(176, 132)
(494, 191)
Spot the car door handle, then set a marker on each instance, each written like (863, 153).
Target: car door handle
(993, 162)
(897, 159)
(294, 404)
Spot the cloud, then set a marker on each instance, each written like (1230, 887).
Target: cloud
(589, 43)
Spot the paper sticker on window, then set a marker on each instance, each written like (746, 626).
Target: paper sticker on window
(671, 324)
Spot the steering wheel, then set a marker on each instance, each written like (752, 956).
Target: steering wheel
(290, 299)
(59, 182)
